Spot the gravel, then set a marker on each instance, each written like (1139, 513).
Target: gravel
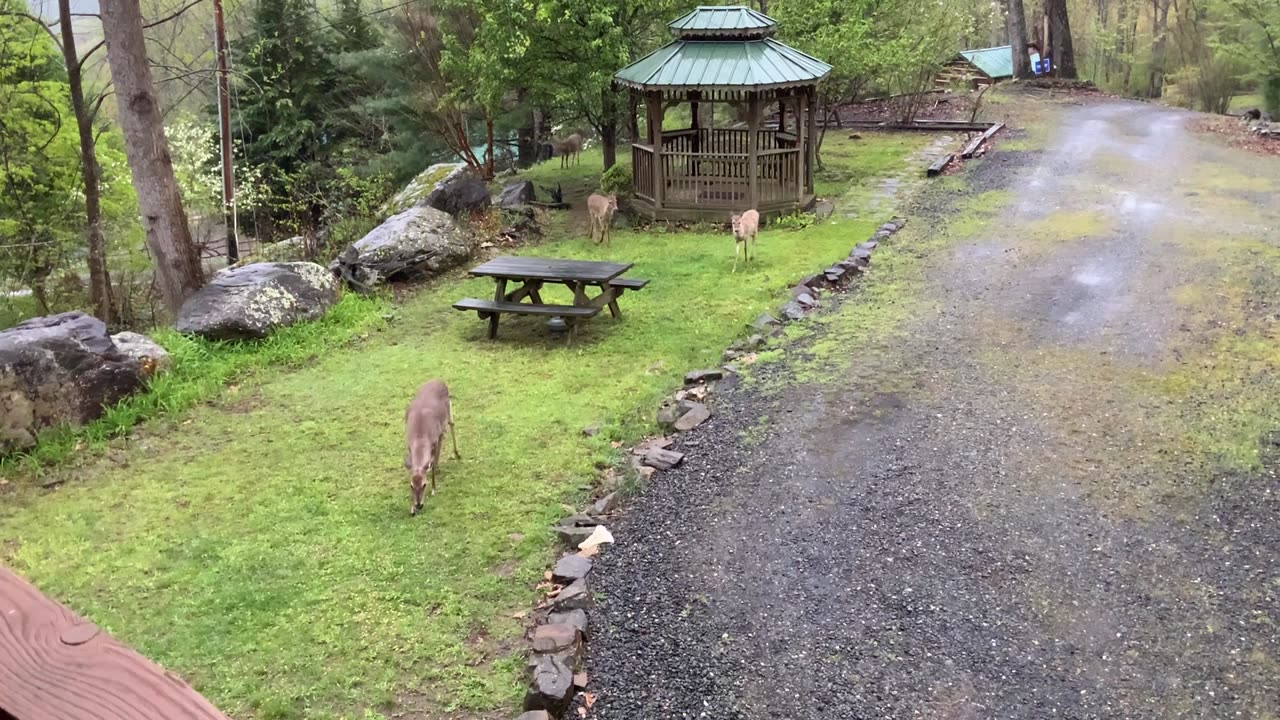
(977, 520)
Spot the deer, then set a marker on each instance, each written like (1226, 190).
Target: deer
(430, 413)
(602, 208)
(746, 229)
(568, 149)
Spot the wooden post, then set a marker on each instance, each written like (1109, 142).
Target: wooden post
(811, 144)
(753, 149)
(655, 139)
(802, 142)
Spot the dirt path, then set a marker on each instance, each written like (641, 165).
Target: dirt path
(1045, 494)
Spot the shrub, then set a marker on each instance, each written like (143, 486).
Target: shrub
(1271, 95)
(616, 180)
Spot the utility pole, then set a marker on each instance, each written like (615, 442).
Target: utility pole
(229, 220)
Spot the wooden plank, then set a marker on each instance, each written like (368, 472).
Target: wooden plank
(550, 269)
(972, 147)
(491, 307)
(55, 665)
(937, 168)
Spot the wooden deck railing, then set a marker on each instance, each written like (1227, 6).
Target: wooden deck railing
(642, 171)
(55, 665)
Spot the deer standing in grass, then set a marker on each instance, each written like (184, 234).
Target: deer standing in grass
(746, 228)
(602, 208)
(428, 416)
(568, 149)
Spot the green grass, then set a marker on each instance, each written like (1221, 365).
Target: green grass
(1240, 103)
(263, 547)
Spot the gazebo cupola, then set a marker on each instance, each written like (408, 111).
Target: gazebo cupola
(725, 55)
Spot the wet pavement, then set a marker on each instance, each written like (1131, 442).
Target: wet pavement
(1005, 506)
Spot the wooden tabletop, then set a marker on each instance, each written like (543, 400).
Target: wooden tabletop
(55, 665)
(552, 269)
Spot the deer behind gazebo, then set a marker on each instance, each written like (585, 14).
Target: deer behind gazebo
(725, 55)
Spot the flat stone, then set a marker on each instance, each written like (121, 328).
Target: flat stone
(793, 310)
(730, 355)
(882, 235)
(534, 715)
(814, 281)
(695, 377)
(755, 342)
(554, 638)
(668, 414)
(646, 472)
(661, 459)
(591, 430)
(606, 504)
(572, 535)
(889, 228)
(571, 567)
(765, 322)
(901, 222)
(870, 244)
(552, 685)
(835, 270)
(573, 597)
(575, 618)
(696, 415)
(861, 253)
(580, 520)
(807, 300)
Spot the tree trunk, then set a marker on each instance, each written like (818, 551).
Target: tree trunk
(1016, 20)
(1063, 52)
(609, 128)
(177, 264)
(40, 291)
(490, 160)
(764, 6)
(1159, 45)
(99, 277)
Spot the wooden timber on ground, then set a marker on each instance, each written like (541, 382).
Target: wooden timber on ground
(938, 167)
(977, 142)
(55, 665)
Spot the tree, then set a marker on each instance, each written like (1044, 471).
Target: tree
(39, 211)
(1061, 49)
(1016, 19)
(177, 264)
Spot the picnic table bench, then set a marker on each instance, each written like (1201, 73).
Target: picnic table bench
(532, 274)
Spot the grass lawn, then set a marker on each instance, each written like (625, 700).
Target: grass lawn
(1240, 103)
(263, 548)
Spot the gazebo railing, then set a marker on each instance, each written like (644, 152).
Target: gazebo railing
(723, 140)
(642, 171)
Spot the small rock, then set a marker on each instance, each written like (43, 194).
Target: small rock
(730, 355)
(575, 618)
(793, 311)
(579, 520)
(697, 414)
(515, 194)
(580, 680)
(145, 350)
(695, 377)
(572, 534)
(824, 209)
(889, 228)
(645, 446)
(646, 472)
(554, 638)
(591, 430)
(901, 222)
(869, 245)
(755, 342)
(534, 715)
(814, 281)
(806, 300)
(606, 504)
(552, 685)
(663, 459)
(881, 236)
(573, 597)
(669, 413)
(765, 322)
(571, 567)
(861, 253)
(598, 537)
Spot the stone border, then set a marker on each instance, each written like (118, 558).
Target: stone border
(557, 642)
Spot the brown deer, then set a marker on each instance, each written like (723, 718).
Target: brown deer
(746, 229)
(602, 208)
(568, 149)
(428, 416)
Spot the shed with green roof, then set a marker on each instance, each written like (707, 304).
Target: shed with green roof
(725, 56)
(984, 66)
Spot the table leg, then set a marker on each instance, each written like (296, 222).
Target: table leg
(613, 300)
(499, 295)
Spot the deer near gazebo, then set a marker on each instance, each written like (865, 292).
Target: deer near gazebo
(725, 56)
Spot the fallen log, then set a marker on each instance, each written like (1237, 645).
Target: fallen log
(936, 169)
(972, 147)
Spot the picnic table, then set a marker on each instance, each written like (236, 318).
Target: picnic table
(531, 274)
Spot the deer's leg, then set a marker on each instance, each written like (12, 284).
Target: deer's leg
(737, 249)
(453, 435)
(435, 453)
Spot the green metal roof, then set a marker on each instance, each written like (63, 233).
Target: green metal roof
(996, 62)
(723, 64)
(723, 20)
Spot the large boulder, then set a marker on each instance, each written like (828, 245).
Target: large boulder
(419, 242)
(450, 187)
(517, 193)
(254, 301)
(56, 370)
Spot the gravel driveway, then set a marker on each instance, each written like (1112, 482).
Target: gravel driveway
(1006, 508)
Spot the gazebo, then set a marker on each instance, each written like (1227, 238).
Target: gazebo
(725, 55)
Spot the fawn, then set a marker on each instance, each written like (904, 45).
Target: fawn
(746, 228)
(430, 413)
(602, 208)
